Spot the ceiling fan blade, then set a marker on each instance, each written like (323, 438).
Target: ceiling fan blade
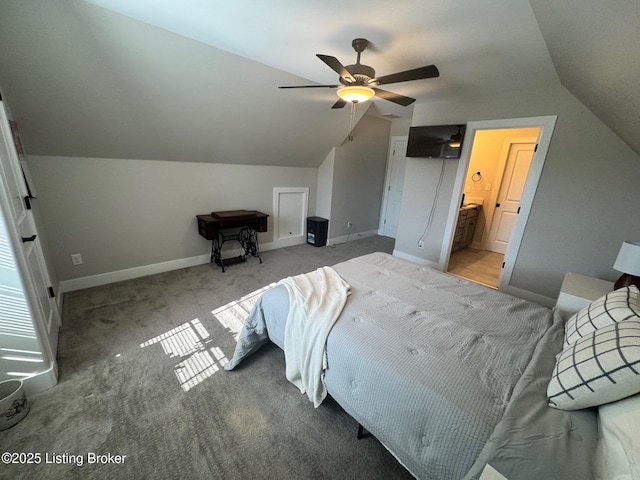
(311, 86)
(430, 71)
(394, 97)
(339, 104)
(337, 67)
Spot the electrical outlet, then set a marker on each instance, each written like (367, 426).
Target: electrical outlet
(349, 224)
(420, 244)
(76, 259)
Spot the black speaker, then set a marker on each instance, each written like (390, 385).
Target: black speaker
(317, 228)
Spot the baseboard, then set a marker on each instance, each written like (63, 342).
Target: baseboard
(352, 237)
(41, 381)
(414, 259)
(136, 272)
(144, 270)
(531, 296)
(516, 292)
(284, 242)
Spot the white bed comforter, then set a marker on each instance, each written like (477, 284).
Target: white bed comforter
(448, 375)
(316, 300)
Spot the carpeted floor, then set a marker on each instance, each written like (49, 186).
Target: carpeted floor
(141, 384)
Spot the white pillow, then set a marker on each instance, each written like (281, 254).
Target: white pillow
(601, 367)
(618, 449)
(616, 306)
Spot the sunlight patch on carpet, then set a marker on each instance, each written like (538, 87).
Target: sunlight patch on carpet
(192, 343)
(233, 314)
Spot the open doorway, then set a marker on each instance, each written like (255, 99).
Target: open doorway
(492, 190)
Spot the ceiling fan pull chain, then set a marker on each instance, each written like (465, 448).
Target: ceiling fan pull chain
(352, 119)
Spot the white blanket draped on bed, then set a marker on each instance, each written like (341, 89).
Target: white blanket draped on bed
(315, 301)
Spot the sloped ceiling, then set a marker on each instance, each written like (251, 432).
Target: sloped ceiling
(194, 80)
(594, 46)
(85, 82)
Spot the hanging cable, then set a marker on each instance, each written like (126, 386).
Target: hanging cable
(433, 207)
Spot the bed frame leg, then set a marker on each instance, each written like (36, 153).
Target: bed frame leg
(360, 432)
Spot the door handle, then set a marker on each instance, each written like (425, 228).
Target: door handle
(28, 239)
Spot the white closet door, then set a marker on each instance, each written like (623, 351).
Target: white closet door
(29, 279)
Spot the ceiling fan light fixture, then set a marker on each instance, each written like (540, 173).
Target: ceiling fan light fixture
(355, 93)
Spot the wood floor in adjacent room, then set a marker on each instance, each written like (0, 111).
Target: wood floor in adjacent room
(480, 266)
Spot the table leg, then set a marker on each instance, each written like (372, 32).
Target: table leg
(248, 238)
(216, 255)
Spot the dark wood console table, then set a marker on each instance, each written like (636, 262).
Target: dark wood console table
(250, 223)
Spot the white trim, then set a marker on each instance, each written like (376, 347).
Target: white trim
(515, 291)
(41, 381)
(546, 125)
(352, 237)
(304, 211)
(59, 301)
(144, 270)
(531, 296)
(287, 242)
(130, 273)
(66, 286)
(414, 259)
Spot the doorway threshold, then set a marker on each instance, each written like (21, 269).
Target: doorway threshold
(479, 266)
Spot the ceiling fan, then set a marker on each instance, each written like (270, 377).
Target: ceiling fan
(358, 82)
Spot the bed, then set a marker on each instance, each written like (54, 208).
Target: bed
(450, 376)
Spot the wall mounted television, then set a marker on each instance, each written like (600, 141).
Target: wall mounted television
(437, 141)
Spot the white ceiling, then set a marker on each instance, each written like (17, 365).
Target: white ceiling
(196, 80)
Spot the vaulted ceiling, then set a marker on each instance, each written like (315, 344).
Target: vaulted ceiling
(194, 80)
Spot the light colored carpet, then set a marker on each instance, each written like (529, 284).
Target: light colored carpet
(140, 377)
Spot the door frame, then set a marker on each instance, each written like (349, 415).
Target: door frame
(546, 125)
(387, 180)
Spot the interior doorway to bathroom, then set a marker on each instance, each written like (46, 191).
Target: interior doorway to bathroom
(497, 171)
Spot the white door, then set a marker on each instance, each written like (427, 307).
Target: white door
(395, 184)
(23, 236)
(510, 194)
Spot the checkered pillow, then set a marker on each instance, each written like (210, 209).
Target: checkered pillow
(601, 367)
(616, 306)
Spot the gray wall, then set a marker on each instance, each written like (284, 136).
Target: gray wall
(325, 183)
(585, 205)
(358, 178)
(120, 214)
